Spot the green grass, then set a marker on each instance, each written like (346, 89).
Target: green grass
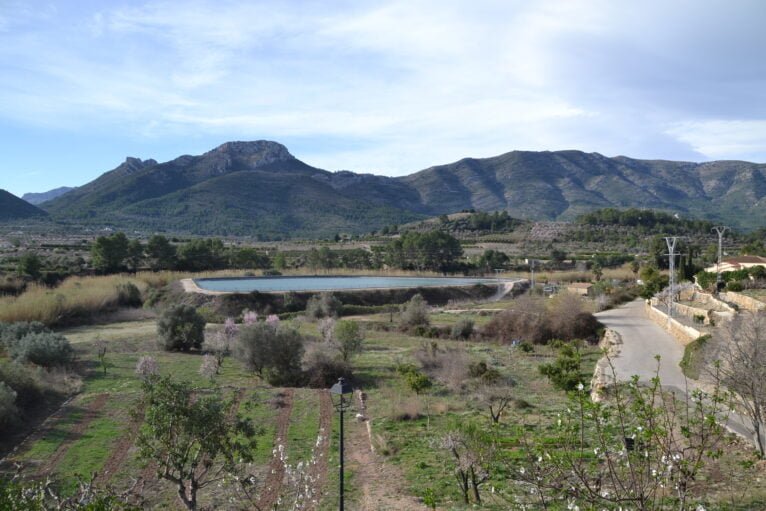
(692, 362)
(46, 446)
(88, 454)
(304, 426)
(256, 407)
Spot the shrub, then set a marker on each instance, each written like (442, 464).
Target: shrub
(462, 329)
(565, 371)
(322, 369)
(8, 411)
(570, 320)
(323, 305)
(415, 312)
(418, 382)
(274, 353)
(527, 321)
(128, 295)
(45, 349)
(12, 332)
(181, 328)
(757, 272)
(734, 286)
(22, 381)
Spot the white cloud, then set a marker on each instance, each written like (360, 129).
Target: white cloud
(723, 139)
(405, 84)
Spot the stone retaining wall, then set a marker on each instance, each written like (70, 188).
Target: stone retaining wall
(683, 334)
(710, 316)
(744, 301)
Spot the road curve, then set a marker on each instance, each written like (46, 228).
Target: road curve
(642, 341)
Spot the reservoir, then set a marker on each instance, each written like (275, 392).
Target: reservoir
(298, 284)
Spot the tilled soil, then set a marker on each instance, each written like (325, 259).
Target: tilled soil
(318, 471)
(119, 452)
(276, 474)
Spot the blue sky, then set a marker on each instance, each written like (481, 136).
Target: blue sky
(382, 87)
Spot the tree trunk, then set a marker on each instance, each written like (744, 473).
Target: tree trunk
(475, 485)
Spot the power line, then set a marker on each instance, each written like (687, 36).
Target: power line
(720, 230)
(671, 242)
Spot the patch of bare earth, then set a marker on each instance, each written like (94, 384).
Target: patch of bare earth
(91, 412)
(276, 474)
(381, 484)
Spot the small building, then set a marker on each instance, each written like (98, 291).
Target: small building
(738, 263)
(580, 288)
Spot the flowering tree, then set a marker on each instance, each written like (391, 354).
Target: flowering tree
(640, 449)
(209, 367)
(249, 317)
(147, 367)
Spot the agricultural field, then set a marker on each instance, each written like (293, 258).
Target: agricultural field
(397, 432)
(393, 461)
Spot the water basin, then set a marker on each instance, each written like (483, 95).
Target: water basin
(286, 284)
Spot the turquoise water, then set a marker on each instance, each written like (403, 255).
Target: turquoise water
(266, 284)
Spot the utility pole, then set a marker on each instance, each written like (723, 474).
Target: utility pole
(671, 242)
(720, 230)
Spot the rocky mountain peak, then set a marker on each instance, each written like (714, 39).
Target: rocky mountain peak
(251, 155)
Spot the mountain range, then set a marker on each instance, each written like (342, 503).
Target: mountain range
(13, 208)
(259, 188)
(39, 198)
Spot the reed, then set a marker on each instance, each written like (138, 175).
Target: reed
(76, 296)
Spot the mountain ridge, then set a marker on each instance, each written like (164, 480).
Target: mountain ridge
(264, 182)
(14, 208)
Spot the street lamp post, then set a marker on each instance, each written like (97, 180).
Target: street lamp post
(340, 389)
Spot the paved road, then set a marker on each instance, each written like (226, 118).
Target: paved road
(642, 340)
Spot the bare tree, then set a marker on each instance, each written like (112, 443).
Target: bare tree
(496, 399)
(743, 367)
(471, 452)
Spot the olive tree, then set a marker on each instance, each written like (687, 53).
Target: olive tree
(181, 328)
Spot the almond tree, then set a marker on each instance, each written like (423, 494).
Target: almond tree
(194, 442)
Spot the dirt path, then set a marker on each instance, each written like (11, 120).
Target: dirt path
(381, 484)
(91, 412)
(276, 474)
(318, 471)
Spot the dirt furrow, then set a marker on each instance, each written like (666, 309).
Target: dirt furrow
(318, 471)
(120, 451)
(273, 484)
(91, 412)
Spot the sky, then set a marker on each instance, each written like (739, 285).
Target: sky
(388, 87)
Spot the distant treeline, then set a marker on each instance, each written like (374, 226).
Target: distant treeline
(430, 251)
(646, 220)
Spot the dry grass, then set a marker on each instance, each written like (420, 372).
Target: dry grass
(76, 296)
